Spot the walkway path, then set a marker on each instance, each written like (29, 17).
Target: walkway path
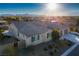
(70, 50)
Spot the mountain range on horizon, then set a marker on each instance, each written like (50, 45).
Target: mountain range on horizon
(23, 15)
(18, 15)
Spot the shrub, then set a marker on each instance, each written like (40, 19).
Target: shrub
(50, 46)
(63, 43)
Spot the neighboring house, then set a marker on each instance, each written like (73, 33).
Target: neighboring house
(29, 32)
(3, 24)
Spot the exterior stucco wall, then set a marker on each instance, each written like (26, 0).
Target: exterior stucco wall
(42, 38)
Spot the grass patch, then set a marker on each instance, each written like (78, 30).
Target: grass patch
(10, 51)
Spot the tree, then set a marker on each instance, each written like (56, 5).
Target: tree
(55, 34)
(72, 28)
(77, 30)
(1, 35)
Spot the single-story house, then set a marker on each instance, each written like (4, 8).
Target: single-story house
(29, 32)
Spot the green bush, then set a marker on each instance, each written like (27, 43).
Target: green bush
(50, 46)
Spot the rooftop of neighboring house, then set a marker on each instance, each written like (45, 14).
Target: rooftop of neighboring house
(2, 21)
(52, 24)
(30, 28)
(73, 37)
(58, 25)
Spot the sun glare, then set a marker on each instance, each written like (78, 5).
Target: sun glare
(53, 21)
(52, 6)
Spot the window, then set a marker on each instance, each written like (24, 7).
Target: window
(38, 37)
(33, 38)
(18, 34)
(65, 31)
(48, 35)
(61, 33)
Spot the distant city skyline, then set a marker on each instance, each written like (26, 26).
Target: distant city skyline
(64, 9)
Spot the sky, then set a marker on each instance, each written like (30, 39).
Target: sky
(64, 9)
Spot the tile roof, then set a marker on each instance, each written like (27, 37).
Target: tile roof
(30, 28)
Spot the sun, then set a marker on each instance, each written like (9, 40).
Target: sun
(52, 6)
